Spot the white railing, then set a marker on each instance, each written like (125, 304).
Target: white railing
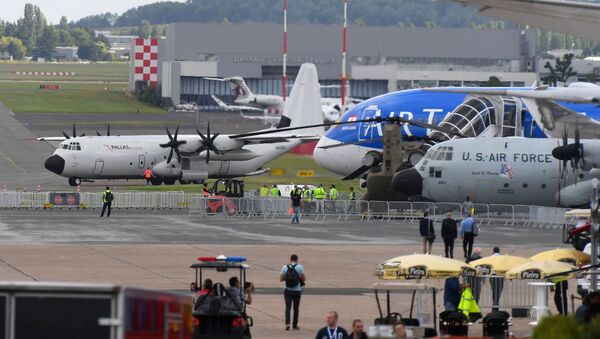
(381, 211)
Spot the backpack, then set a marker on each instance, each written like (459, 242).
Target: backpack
(292, 278)
(109, 197)
(475, 229)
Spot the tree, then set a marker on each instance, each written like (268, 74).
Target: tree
(47, 43)
(561, 72)
(80, 36)
(144, 29)
(14, 47)
(65, 38)
(64, 24)
(26, 27)
(157, 32)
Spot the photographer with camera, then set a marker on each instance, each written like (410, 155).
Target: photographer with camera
(294, 278)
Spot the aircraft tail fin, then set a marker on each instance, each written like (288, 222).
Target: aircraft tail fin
(239, 89)
(303, 106)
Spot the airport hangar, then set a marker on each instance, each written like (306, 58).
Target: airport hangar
(380, 59)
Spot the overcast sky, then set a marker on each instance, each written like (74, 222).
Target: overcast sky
(73, 9)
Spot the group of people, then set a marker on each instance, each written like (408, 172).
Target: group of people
(449, 231)
(332, 330)
(301, 198)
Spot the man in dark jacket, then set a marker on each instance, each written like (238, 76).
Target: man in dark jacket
(449, 233)
(332, 330)
(427, 232)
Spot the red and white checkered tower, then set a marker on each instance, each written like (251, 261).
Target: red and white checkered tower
(145, 61)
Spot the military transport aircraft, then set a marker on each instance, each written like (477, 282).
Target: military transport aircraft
(197, 157)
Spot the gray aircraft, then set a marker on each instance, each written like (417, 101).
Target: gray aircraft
(192, 157)
(513, 170)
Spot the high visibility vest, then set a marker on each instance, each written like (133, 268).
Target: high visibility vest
(274, 192)
(264, 192)
(320, 193)
(468, 304)
(104, 195)
(307, 195)
(333, 194)
(148, 174)
(353, 195)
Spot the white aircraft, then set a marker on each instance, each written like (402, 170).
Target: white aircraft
(198, 156)
(268, 107)
(572, 17)
(513, 170)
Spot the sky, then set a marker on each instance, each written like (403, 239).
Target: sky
(12, 10)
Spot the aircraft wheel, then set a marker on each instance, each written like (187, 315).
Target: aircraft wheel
(197, 182)
(156, 181)
(170, 181)
(185, 182)
(74, 181)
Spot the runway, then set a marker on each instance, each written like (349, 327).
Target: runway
(158, 228)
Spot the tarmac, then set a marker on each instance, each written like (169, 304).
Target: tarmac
(155, 250)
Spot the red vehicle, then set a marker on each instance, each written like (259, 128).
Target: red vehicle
(222, 190)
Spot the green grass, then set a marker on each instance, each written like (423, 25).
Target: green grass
(290, 162)
(98, 71)
(26, 96)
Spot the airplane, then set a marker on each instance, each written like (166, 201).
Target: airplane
(578, 18)
(270, 106)
(345, 149)
(505, 170)
(193, 157)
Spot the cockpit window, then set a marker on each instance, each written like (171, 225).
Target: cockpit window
(443, 153)
(74, 146)
(65, 146)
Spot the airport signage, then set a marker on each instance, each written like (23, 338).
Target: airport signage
(305, 173)
(65, 199)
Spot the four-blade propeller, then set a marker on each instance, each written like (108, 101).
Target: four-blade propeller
(173, 144)
(107, 131)
(570, 152)
(74, 133)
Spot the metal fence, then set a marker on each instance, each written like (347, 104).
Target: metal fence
(338, 210)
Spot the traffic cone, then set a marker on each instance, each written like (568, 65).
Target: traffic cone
(77, 189)
(39, 188)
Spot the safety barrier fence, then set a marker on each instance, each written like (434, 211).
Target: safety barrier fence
(338, 210)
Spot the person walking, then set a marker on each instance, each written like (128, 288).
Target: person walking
(296, 197)
(357, 330)
(497, 284)
(449, 234)
(332, 330)
(320, 195)
(427, 232)
(294, 277)
(467, 207)
(107, 199)
(467, 233)
(148, 175)
(275, 192)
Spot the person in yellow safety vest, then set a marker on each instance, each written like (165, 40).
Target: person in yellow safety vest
(320, 195)
(275, 192)
(468, 305)
(307, 193)
(264, 191)
(333, 193)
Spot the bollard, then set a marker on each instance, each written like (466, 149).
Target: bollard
(25, 189)
(39, 188)
(77, 189)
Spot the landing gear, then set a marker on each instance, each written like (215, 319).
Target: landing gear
(74, 181)
(185, 182)
(169, 181)
(156, 181)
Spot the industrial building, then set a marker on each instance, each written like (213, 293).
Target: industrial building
(380, 59)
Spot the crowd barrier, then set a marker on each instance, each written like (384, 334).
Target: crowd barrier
(382, 211)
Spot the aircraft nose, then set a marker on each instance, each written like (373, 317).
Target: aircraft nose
(55, 164)
(408, 182)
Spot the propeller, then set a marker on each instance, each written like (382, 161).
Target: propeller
(173, 144)
(570, 152)
(74, 133)
(207, 143)
(107, 131)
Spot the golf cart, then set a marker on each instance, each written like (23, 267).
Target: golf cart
(418, 324)
(218, 312)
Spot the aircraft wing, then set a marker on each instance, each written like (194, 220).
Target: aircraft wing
(572, 17)
(554, 119)
(51, 139)
(272, 138)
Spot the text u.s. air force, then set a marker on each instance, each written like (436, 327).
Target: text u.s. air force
(503, 157)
